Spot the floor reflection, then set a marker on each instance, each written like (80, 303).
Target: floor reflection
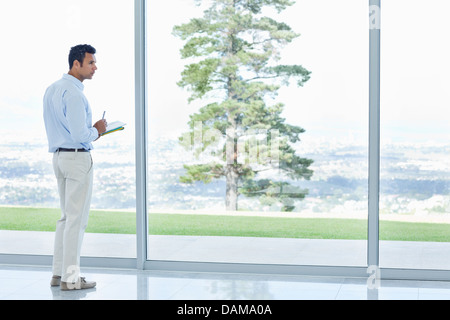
(32, 283)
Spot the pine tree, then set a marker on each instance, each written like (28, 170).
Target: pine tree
(240, 135)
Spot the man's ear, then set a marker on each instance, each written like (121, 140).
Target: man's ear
(76, 64)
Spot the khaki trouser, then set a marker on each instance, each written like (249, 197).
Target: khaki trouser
(74, 174)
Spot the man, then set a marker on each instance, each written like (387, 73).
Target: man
(68, 123)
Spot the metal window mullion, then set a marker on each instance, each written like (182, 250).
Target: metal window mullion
(374, 135)
(141, 133)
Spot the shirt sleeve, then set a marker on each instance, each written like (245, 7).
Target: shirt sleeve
(76, 116)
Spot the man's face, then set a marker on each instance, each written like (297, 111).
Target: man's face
(87, 71)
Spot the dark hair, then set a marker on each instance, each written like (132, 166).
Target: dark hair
(79, 53)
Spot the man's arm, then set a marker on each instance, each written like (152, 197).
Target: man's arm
(76, 119)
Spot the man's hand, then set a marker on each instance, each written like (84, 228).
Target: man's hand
(100, 126)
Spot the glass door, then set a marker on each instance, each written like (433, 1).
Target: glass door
(34, 55)
(258, 132)
(415, 171)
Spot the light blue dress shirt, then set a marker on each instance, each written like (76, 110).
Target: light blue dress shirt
(68, 116)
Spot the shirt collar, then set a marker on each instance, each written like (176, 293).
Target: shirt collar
(74, 80)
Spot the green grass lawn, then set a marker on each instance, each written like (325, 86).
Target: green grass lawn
(38, 219)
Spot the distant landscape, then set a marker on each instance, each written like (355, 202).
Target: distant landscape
(415, 179)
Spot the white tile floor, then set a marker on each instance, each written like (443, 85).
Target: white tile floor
(32, 283)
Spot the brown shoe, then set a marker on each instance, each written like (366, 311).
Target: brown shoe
(79, 285)
(56, 281)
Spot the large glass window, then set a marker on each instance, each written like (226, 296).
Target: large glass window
(36, 39)
(415, 171)
(251, 169)
(232, 175)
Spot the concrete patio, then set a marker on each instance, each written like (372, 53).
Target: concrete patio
(393, 254)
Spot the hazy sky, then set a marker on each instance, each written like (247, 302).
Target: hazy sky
(320, 49)
(37, 35)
